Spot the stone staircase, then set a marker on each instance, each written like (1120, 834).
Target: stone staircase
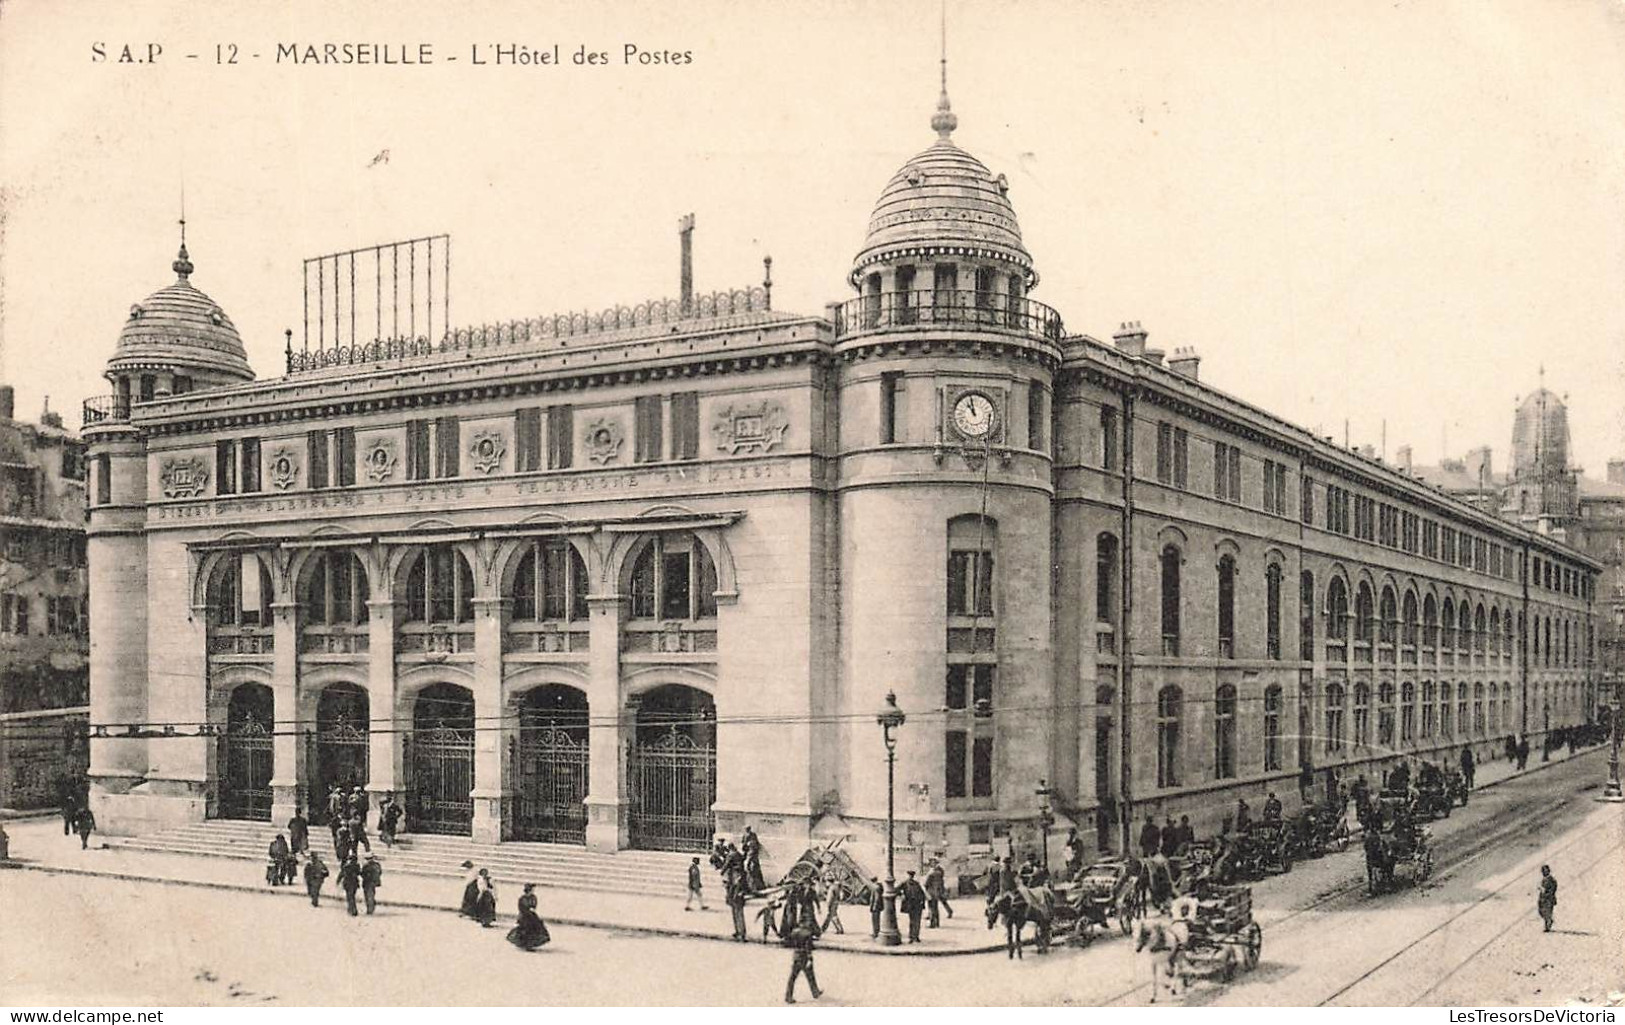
(639, 873)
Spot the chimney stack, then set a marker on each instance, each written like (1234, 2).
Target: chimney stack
(1616, 471)
(1402, 458)
(1369, 451)
(1130, 339)
(1478, 465)
(685, 282)
(1186, 362)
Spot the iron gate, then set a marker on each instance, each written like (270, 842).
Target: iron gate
(337, 755)
(673, 783)
(247, 755)
(440, 767)
(551, 766)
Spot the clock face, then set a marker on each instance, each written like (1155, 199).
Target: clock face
(974, 415)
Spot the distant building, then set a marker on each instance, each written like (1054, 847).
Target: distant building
(44, 633)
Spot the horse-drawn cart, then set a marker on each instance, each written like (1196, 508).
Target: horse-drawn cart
(1265, 847)
(1105, 890)
(1397, 850)
(1223, 934)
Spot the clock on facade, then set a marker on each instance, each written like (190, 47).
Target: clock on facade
(974, 415)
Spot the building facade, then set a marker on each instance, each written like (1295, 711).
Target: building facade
(44, 634)
(635, 578)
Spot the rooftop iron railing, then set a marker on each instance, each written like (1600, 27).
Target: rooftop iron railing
(934, 307)
(105, 409)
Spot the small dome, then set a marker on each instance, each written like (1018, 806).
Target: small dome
(179, 327)
(944, 200)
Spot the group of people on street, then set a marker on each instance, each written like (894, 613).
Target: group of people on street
(76, 815)
(480, 904)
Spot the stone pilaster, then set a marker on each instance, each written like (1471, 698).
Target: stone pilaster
(384, 767)
(607, 820)
(288, 744)
(490, 748)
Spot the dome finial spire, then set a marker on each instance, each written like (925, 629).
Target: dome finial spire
(943, 122)
(183, 263)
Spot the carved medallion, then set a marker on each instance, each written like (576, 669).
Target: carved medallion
(750, 428)
(604, 438)
(284, 469)
(380, 460)
(488, 449)
(183, 478)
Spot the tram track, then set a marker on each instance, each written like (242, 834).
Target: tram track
(1505, 823)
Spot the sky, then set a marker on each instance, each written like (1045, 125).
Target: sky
(1392, 214)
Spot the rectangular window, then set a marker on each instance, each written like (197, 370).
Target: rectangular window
(675, 591)
(182, 385)
(954, 767)
(685, 425)
(250, 478)
(344, 457)
(890, 384)
(527, 439)
(1306, 499)
(225, 467)
(1226, 472)
(961, 567)
(417, 450)
(104, 479)
(1165, 453)
(316, 459)
(648, 416)
(981, 771)
(1108, 438)
(561, 444)
(448, 447)
(1181, 457)
(1037, 417)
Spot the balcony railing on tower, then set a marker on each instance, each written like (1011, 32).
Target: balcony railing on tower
(105, 409)
(932, 307)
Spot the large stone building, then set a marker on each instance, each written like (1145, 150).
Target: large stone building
(632, 578)
(44, 637)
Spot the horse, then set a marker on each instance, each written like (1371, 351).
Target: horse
(1162, 943)
(1018, 907)
(1379, 863)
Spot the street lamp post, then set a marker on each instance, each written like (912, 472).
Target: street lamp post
(1046, 818)
(1616, 728)
(890, 718)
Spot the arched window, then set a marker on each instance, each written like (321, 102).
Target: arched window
(1272, 728)
(1385, 715)
(1306, 722)
(1337, 620)
(1546, 640)
(1407, 634)
(1227, 607)
(1272, 611)
(1407, 713)
(335, 590)
(1388, 624)
(1493, 711)
(439, 587)
(1478, 709)
(1464, 640)
(1306, 616)
(1445, 731)
(1428, 698)
(1224, 732)
(239, 592)
(1169, 700)
(1506, 705)
(1447, 626)
(1170, 600)
(1479, 635)
(1362, 715)
(1495, 632)
(550, 583)
(1430, 627)
(1462, 722)
(1334, 717)
(1364, 615)
(674, 578)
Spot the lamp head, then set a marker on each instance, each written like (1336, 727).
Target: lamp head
(890, 716)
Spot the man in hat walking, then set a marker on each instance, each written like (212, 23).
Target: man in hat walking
(695, 882)
(350, 881)
(298, 832)
(912, 895)
(315, 875)
(801, 960)
(372, 877)
(1546, 903)
(936, 892)
(877, 904)
(83, 824)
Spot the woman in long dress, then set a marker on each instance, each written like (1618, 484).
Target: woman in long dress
(485, 906)
(531, 932)
(471, 892)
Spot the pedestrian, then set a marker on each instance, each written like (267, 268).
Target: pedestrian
(350, 881)
(315, 875)
(1468, 765)
(276, 865)
(1150, 838)
(1187, 835)
(734, 894)
(359, 806)
(298, 832)
(1546, 903)
(1272, 808)
(335, 808)
(358, 833)
(877, 904)
(84, 823)
(343, 846)
(1244, 816)
(750, 845)
(70, 809)
(936, 892)
(912, 895)
(531, 932)
(1523, 752)
(1074, 855)
(836, 897)
(389, 819)
(471, 892)
(801, 961)
(1170, 837)
(694, 887)
(372, 877)
(485, 903)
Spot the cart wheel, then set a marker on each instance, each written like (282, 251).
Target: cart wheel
(1255, 945)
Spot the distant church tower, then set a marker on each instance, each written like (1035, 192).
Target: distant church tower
(1542, 485)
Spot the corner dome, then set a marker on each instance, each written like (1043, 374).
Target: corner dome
(944, 200)
(180, 327)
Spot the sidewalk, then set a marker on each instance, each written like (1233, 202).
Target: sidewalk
(40, 846)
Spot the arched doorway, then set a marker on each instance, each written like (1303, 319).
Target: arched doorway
(246, 756)
(673, 770)
(338, 755)
(549, 759)
(440, 761)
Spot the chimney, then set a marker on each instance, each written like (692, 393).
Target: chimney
(1402, 458)
(685, 280)
(1130, 339)
(1186, 362)
(1153, 356)
(1616, 471)
(1478, 464)
(1369, 451)
(8, 402)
